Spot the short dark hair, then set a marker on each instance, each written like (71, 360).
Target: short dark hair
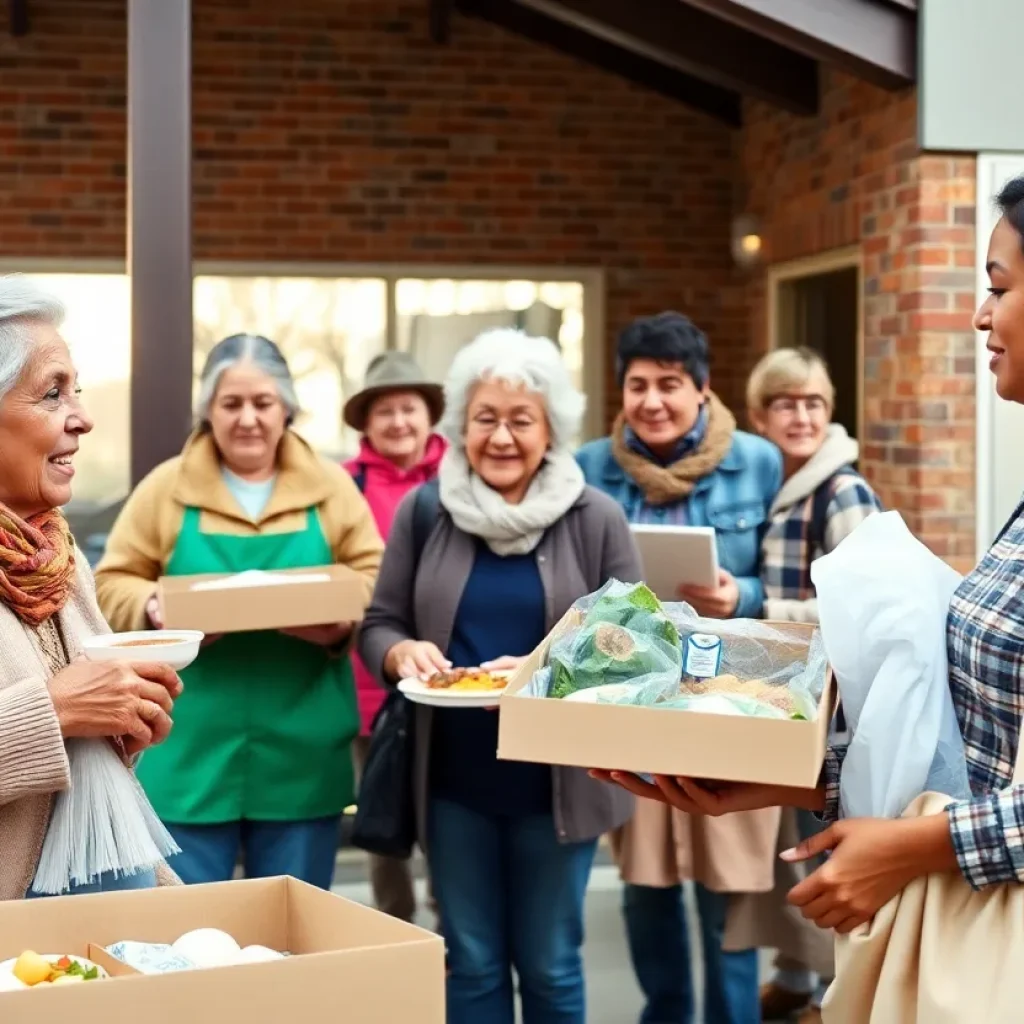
(1011, 204)
(666, 338)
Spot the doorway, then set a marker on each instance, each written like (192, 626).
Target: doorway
(816, 303)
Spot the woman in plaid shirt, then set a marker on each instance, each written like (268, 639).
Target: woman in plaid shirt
(790, 398)
(872, 860)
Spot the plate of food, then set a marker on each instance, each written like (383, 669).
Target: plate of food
(457, 688)
(34, 970)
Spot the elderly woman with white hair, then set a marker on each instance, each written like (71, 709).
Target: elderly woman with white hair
(516, 538)
(260, 758)
(72, 818)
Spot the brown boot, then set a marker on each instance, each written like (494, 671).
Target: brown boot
(779, 1003)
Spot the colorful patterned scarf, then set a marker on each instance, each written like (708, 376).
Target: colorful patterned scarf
(37, 564)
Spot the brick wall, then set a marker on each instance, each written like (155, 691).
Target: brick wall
(854, 176)
(334, 130)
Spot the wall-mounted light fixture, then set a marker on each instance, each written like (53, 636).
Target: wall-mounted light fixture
(747, 242)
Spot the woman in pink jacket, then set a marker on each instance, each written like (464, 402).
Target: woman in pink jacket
(395, 412)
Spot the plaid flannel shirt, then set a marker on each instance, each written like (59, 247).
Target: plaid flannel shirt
(985, 647)
(788, 549)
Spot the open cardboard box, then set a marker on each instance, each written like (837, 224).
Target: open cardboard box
(660, 742)
(349, 963)
(341, 598)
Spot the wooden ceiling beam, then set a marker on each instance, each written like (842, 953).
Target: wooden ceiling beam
(722, 104)
(873, 39)
(440, 21)
(18, 12)
(698, 44)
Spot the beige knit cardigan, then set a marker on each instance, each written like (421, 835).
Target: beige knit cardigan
(33, 761)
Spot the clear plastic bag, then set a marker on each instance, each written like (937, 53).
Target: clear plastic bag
(779, 665)
(883, 600)
(631, 605)
(624, 636)
(599, 653)
(712, 702)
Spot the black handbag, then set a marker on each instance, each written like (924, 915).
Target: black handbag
(385, 821)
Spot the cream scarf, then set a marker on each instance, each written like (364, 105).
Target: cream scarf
(507, 529)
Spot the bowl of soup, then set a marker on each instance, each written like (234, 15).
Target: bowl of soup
(175, 647)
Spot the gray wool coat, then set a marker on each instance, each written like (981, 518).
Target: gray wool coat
(589, 545)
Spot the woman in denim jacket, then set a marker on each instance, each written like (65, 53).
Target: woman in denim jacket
(675, 457)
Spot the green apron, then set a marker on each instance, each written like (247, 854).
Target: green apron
(264, 728)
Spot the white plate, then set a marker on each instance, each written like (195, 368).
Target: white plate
(608, 691)
(419, 693)
(178, 655)
(10, 982)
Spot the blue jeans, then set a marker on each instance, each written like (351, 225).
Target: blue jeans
(107, 882)
(303, 849)
(510, 896)
(659, 945)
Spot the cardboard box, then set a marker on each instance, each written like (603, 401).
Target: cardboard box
(660, 742)
(341, 598)
(351, 963)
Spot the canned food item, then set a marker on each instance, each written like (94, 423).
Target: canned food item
(703, 656)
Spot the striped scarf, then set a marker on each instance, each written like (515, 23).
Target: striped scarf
(37, 564)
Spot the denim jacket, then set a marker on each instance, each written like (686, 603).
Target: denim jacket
(735, 499)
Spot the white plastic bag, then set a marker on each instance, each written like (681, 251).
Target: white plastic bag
(883, 599)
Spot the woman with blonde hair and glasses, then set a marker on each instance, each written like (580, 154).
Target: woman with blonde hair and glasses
(790, 399)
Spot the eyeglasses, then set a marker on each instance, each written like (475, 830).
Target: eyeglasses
(489, 424)
(789, 404)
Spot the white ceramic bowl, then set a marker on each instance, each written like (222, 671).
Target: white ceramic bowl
(175, 647)
(9, 983)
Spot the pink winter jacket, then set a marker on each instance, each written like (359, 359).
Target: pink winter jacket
(384, 487)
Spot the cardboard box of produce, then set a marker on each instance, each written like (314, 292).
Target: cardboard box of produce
(349, 963)
(220, 604)
(661, 742)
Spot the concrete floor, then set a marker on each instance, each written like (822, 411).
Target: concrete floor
(612, 993)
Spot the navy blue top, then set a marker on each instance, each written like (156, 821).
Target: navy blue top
(502, 611)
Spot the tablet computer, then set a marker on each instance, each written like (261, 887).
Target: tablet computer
(677, 555)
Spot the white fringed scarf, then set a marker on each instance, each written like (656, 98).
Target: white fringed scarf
(103, 823)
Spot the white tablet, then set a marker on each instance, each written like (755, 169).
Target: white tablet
(677, 555)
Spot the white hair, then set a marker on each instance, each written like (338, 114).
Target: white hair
(515, 358)
(22, 304)
(245, 348)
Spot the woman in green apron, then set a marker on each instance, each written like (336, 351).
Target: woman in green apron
(259, 761)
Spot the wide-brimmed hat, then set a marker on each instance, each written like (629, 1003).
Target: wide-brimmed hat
(393, 371)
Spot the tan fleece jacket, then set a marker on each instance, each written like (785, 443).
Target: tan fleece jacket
(143, 538)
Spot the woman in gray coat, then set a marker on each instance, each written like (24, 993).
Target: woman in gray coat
(518, 538)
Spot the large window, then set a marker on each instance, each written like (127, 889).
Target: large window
(329, 326)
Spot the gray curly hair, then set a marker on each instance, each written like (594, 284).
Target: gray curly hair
(22, 304)
(515, 358)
